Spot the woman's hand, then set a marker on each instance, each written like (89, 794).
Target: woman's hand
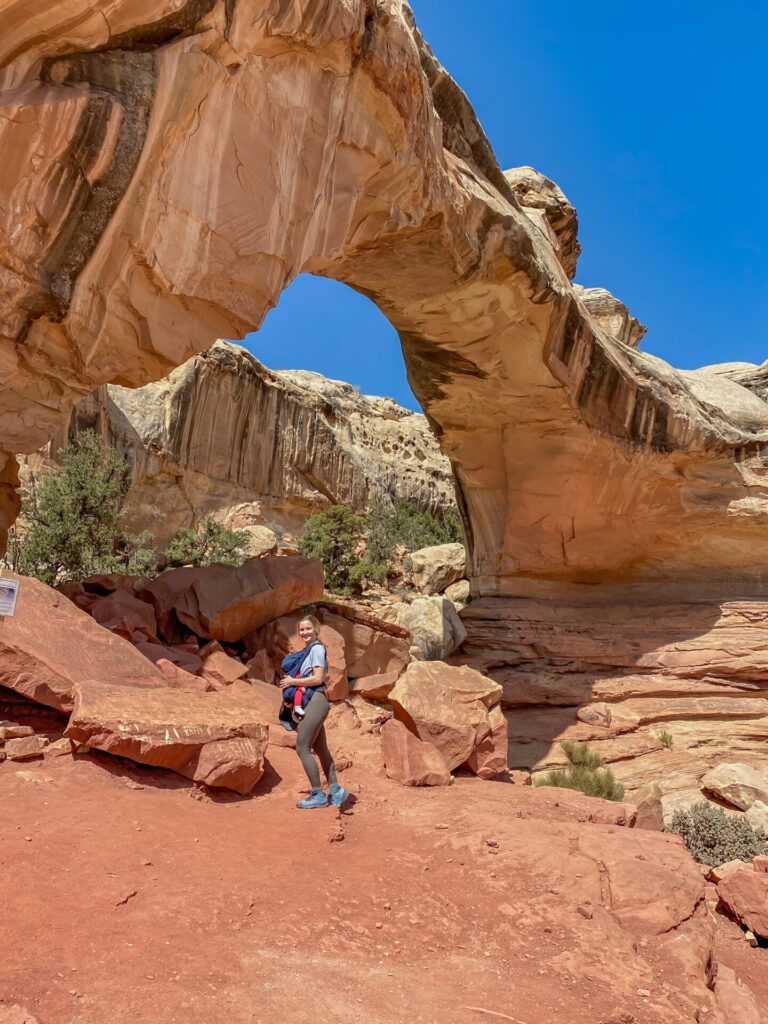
(287, 681)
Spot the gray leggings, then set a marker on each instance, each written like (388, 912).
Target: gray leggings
(310, 736)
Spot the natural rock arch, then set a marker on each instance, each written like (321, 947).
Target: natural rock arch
(168, 176)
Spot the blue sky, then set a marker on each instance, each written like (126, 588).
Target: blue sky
(651, 117)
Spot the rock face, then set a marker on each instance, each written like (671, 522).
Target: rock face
(223, 430)
(134, 230)
(146, 249)
(696, 671)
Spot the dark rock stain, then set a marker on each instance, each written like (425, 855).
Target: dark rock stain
(114, 77)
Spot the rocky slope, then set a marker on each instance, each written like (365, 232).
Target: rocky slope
(223, 429)
(473, 902)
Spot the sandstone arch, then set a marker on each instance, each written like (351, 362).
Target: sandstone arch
(170, 172)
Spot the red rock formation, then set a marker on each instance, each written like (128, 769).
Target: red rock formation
(225, 603)
(409, 760)
(745, 894)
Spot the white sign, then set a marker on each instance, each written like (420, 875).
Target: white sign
(9, 590)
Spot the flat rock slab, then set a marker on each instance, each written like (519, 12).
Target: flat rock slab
(49, 644)
(218, 739)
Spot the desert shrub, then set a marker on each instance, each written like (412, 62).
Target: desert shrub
(401, 523)
(584, 773)
(367, 570)
(714, 837)
(666, 738)
(334, 536)
(69, 526)
(209, 543)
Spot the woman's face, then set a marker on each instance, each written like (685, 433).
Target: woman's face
(307, 631)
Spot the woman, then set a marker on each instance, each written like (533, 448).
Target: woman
(310, 734)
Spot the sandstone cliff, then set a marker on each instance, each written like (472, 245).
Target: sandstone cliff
(171, 172)
(223, 429)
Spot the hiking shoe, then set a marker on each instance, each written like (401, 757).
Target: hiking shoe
(316, 798)
(338, 795)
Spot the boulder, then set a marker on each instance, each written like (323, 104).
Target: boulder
(435, 568)
(214, 738)
(760, 863)
(595, 714)
(186, 660)
(722, 871)
(409, 760)
(374, 687)
(435, 627)
(222, 669)
(11, 731)
(371, 645)
(736, 784)
(446, 706)
(734, 1000)
(458, 594)
(181, 679)
(25, 748)
(650, 812)
(225, 602)
(745, 894)
(123, 613)
(49, 644)
(59, 748)
(260, 667)
(260, 540)
(489, 758)
(757, 816)
(107, 583)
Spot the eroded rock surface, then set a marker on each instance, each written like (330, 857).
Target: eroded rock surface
(224, 434)
(160, 231)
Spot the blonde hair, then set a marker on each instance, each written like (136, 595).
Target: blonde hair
(313, 619)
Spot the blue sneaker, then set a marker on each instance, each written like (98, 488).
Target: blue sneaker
(316, 798)
(338, 795)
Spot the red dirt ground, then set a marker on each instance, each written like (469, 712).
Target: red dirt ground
(129, 895)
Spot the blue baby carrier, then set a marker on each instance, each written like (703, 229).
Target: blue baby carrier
(292, 665)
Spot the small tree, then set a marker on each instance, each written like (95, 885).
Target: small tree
(402, 523)
(714, 837)
(210, 543)
(333, 536)
(584, 773)
(69, 526)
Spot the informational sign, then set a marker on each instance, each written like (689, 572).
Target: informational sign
(9, 590)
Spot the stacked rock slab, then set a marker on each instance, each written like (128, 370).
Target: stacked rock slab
(580, 463)
(120, 702)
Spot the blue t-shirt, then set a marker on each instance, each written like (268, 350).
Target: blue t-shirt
(317, 657)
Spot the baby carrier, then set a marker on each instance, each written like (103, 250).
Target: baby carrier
(292, 665)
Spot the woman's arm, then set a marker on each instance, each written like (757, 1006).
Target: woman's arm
(316, 679)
